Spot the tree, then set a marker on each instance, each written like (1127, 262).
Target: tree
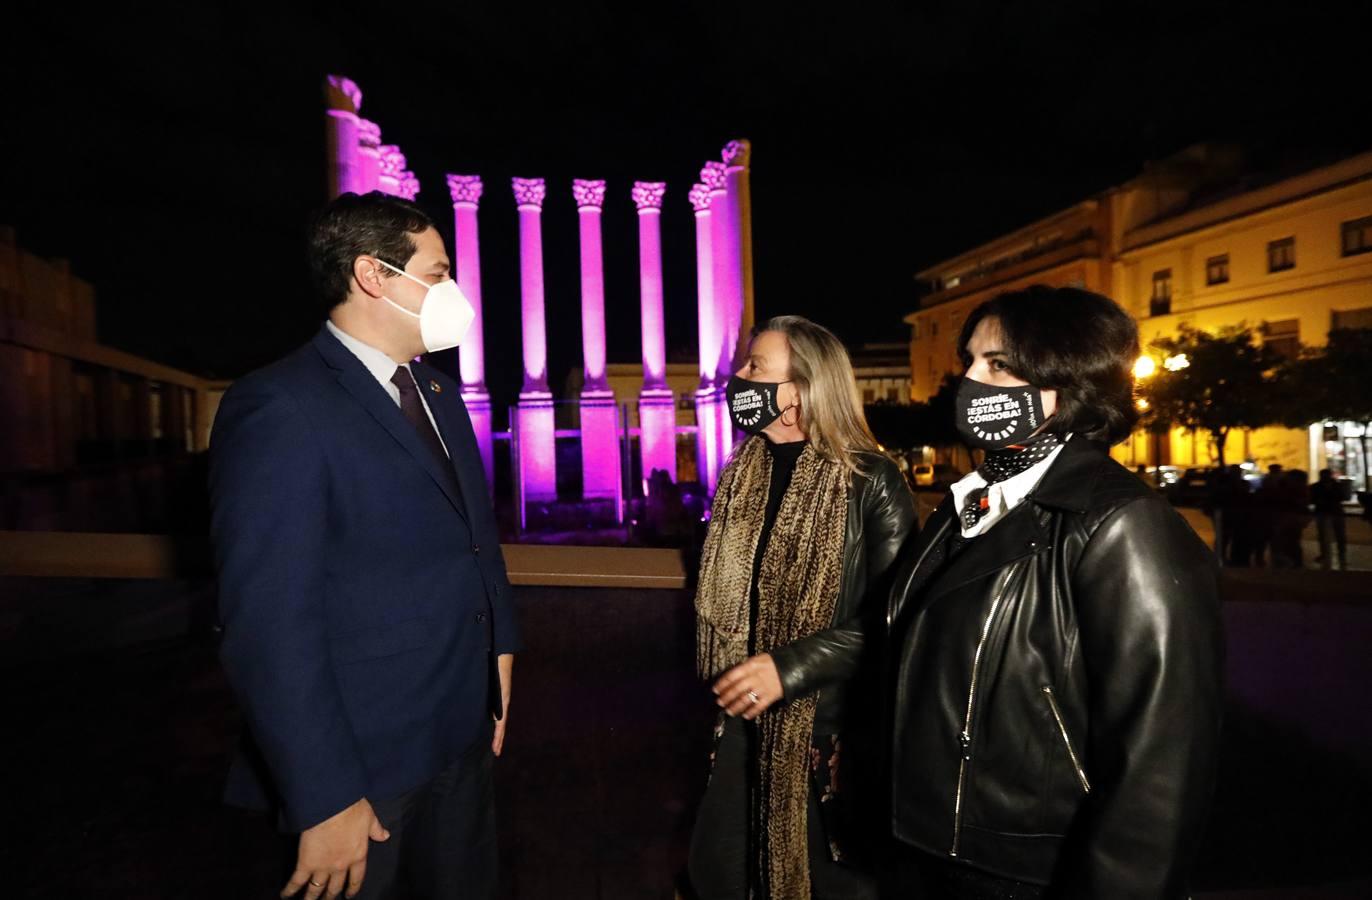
(1332, 383)
(1210, 382)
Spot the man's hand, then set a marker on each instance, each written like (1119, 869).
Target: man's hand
(333, 854)
(749, 687)
(505, 665)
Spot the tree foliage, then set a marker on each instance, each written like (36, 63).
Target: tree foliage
(1227, 383)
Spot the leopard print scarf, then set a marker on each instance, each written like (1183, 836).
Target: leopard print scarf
(798, 585)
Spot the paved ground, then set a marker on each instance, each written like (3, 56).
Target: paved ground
(118, 730)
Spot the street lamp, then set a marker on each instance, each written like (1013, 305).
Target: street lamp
(1144, 367)
(1176, 363)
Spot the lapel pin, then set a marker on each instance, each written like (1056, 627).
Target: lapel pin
(435, 387)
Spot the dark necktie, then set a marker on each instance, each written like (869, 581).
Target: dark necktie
(413, 407)
(1002, 465)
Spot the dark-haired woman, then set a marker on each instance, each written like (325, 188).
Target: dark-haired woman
(1055, 634)
(807, 521)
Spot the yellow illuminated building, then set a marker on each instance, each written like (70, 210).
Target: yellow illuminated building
(1195, 240)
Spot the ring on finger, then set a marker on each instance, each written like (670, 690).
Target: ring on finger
(753, 697)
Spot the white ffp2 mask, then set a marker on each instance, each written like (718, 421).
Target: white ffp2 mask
(444, 316)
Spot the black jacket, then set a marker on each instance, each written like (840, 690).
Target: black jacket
(881, 515)
(1057, 688)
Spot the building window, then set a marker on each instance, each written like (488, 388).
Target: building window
(869, 396)
(1281, 255)
(1283, 337)
(1161, 303)
(1353, 318)
(1357, 236)
(893, 395)
(914, 330)
(1217, 269)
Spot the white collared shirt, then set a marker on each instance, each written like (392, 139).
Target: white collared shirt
(1002, 496)
(382, 367)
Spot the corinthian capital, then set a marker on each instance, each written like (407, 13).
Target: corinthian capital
(465, 189)
(392, 160)
(700, 197)
(737, 153)
(589, 193)
(648, 194)
(712, 176)
(529, 191)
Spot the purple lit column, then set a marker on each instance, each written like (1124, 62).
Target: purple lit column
(343, 99)
(466, 193)
(714, 178)
(736, 158)
(706, 396)
(600, 476)
(656, 404)
(537, 463)
(368, 156)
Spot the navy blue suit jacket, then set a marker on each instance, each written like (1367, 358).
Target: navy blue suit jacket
(363, 599)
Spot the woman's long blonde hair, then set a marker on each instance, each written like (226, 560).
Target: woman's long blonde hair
(830, 406)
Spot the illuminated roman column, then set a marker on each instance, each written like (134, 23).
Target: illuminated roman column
(656, 404)
(706, 396)
(537, 439)
(600, 475)
(714, 177)
(368, 156)
(736, 158)
(343, 99)
(466, 194)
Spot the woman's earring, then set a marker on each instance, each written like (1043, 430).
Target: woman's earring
(783, 416)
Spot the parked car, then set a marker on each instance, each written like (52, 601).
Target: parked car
(1190, 487)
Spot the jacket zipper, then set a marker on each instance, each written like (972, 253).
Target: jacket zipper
(965, 738)
(1062, 729)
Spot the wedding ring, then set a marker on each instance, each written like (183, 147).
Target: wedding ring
(752, 695)
(316, 884)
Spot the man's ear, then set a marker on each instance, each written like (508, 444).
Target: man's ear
(369, 275)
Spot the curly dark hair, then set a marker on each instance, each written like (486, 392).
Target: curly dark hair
(354, 225)
(1078, 343)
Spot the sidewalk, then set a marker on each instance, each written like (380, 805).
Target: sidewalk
(1359, 539)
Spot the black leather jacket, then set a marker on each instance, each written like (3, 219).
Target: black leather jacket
(1057, 688)
(881, 515)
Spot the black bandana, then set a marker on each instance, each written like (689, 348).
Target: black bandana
(1001, 465)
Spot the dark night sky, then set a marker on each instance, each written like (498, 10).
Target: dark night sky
(174, 155)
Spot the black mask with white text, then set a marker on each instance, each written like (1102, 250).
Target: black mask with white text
(752, 404)
(992, 418)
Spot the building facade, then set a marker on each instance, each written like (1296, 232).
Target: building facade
(1196, 240)
(95, 439)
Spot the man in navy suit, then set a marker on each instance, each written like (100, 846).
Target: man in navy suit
(368, 626)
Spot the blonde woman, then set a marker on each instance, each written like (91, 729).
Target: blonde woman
(808, 517)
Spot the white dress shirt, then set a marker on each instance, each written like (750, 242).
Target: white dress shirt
(382, 367)
(1002, 496)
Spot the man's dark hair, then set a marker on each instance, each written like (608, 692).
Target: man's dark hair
(354, 225)
(1075, 342)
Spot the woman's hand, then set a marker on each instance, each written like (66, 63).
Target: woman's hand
(749, 687)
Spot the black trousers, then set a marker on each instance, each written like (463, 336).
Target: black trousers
(723, 854)
(443, 840)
